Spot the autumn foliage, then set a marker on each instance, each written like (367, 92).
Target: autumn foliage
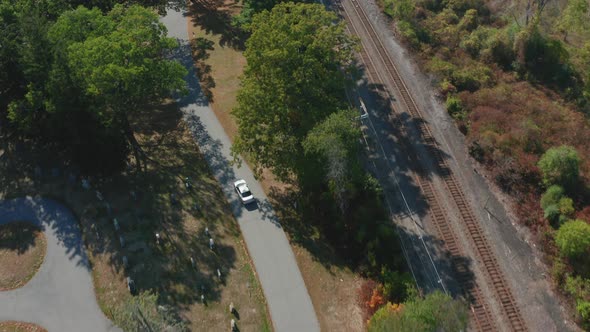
(371, 298)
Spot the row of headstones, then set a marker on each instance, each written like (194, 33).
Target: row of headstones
(218, 271)
(100, 197)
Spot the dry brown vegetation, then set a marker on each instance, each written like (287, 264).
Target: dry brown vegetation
(516, 78)
(12, 326)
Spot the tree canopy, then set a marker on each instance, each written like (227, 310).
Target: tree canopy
(435, 312)
(298, 56)
(88, 71)
(334, 143)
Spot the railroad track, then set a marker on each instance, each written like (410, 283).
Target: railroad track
(479, 312)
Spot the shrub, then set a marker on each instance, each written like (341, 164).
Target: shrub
(551, 196)
(566, 207)
(395, 284)
(370, 297)
(583, 308)
(573, 238)
(455, 108)
(558, 271)
(560, 165)
(409, 33)
(551, 213)
(577, 287)
(472, 77)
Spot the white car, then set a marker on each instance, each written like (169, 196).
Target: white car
(243, 191)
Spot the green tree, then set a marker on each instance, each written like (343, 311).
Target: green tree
(560, 165)
(298, 58)
(90, 72)
(10, 74)
(435, 312)
(334, 142)
(573, 238)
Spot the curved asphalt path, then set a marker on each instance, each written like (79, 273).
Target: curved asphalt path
(288, 300)
(60, 297)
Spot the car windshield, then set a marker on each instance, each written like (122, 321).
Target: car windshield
(246, 193)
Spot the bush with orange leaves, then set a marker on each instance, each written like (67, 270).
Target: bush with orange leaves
(371, 298)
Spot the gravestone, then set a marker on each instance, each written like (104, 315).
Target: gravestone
(99, 196)
(211, 243)
(125, 262)
(122, 241)
(207, 231)
(116, 224)
(233, 324)
(85, 184)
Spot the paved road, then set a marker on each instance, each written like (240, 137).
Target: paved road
(288, 300)
(60, 297)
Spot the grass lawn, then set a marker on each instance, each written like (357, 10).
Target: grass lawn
(332, 286)
(142, 205)
(22, 251)
(20, 327)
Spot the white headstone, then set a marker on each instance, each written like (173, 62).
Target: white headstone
(211, 243)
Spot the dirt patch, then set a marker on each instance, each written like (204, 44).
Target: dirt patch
(22, 251)
(332, 286)
(11, 326)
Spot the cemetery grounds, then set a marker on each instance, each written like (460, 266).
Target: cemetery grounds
(142, 204)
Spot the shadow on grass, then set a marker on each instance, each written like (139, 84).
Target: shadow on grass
(18, 236)
(215, 17)
(141, 203)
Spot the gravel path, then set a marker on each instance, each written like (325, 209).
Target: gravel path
(60, 297)
(289, 303)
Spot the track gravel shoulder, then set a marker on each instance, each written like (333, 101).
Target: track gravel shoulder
(516, 253)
